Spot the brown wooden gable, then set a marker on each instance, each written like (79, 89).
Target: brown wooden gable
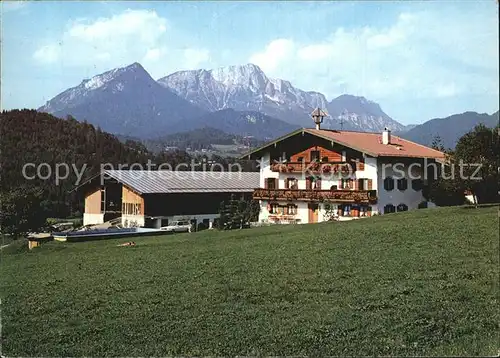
(299, 145)
(93, 199)
(330, 155)
(129, 197)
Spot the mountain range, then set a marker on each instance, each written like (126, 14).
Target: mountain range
(449, 129)
(239, 100)
(123, 101)
(248, 88)
(128, 101)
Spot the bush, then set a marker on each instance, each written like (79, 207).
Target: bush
(16, 247)
(422, 205)
(201, 226)
(21, 211)
(77, 223)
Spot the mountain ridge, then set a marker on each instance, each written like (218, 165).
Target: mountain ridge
(247, 87)
(126, 101)
(450, 128)
(240, 100)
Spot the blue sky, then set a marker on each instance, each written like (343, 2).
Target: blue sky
(418, 60)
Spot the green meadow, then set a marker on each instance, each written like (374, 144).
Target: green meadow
(415, 283)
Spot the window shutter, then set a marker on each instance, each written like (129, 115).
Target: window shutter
(276, 183)
(369, 185)
(266, 186)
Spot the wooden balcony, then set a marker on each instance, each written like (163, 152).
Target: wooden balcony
(317, 167)
(338, 196)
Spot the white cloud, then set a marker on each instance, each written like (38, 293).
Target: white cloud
(47, 54)
(122, 39)
(276, 52)
(143, 25)
(421, 55)
(447, 90)
(119, 40)
(10, 6)
(154, 54)
(195, 57)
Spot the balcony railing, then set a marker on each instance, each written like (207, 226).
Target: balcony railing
(317, 167)
(340, 196)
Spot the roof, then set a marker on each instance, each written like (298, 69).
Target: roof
(366, 142)
(167, 181)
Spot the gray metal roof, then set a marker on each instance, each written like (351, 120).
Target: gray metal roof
(167, 181)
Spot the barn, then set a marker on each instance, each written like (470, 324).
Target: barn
(144, 198)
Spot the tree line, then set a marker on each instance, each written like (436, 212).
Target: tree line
(471, 168)
(45, 141)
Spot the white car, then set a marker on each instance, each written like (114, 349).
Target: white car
(178, 226)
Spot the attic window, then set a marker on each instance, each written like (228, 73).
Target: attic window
(315, 155)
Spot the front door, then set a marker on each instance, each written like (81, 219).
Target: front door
(313, 213)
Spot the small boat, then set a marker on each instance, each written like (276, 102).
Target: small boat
(111, 233)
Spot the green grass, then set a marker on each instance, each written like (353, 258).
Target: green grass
(415, 283)
(5, 240)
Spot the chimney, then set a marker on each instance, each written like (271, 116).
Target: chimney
(317, 116)
(386, 136)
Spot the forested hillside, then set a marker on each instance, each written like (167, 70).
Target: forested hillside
(35, 140)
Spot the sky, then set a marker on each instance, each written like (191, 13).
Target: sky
(417, 59)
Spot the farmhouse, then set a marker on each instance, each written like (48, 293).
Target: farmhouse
(155, 198)
(313, 175)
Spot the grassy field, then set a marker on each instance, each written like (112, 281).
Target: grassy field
(414, 283)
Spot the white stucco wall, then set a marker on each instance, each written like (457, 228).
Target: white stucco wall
(93, 219)
(327, 181)
(199, 218)
(410, 197)
(133, 220)
(302, 211)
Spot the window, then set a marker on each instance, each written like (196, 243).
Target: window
(346, 210)
(365, 210)
(388, 184)
(402, 207)
(333, 187)
(271, 183)
(314, 155)
(300, 159)
(291, 183)
(347, 184)
(389, 208)
(103, 200)
(276, 209)
(402, 184)
(309, 181)
(417, 184)
(131, 208)
(317, 184)
(289, 209)
(292, 209)
(362, 184)
(324, 159)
